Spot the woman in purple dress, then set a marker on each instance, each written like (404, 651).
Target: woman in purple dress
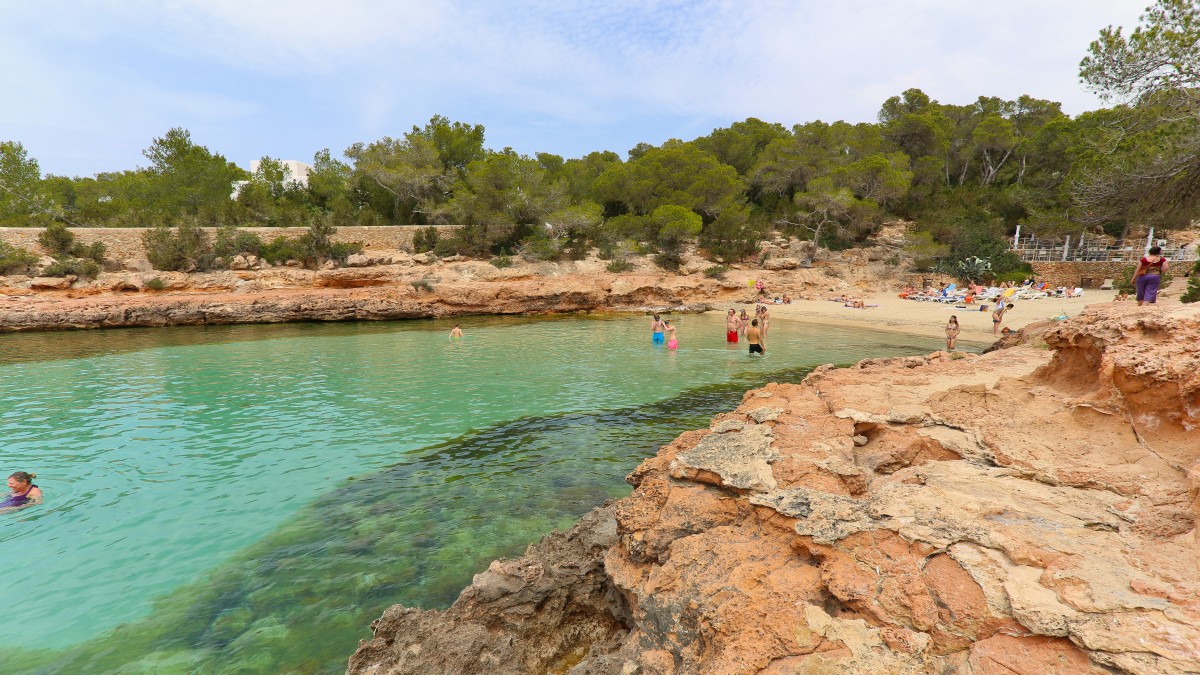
(1149, 275)
(24, 492)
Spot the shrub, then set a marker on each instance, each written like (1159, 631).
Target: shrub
(444, 248)
(422, 285)
(14, 259)
(425, 239)
(669, 260)
(716, 272)
(185, 249)
(541, 247)
(502, 261)
(156, 284)
(57, 240)
(1015, 276)
(79, 267)
(344, 249)
(1193, 289)
(280, 250)
(619, 265)
(94, 251)
(231, 241)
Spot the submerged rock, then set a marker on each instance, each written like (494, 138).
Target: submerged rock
(1026, 511)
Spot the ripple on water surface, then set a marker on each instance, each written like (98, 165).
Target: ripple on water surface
(192, 457)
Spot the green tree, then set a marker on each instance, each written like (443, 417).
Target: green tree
(21, 193)
(677, 173)
(457, 143)
(185, 178)
(741, 144)
(409, 170)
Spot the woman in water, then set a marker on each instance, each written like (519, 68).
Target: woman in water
(24, 492)
(656, 331)
(951, 333)
(672, 342)
(1149, 275)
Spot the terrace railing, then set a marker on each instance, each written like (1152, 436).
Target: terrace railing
(1032, 249)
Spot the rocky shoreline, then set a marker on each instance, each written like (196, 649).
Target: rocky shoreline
(1023, 511)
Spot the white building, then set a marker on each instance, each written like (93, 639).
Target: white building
(296, 171)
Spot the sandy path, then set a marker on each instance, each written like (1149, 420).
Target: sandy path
(929, 318)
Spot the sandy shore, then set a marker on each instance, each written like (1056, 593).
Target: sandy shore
(929, 318)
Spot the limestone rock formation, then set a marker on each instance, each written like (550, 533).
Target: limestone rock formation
(1023, 511)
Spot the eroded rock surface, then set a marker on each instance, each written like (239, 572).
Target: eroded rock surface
(1024, 511)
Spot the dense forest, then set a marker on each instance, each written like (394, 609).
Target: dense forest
(964, 175)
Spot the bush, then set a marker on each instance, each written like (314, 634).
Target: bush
(716, 272)
(156, 284)
(344, 249)
(280, 250)
(13, 259)
(94, 251)
(231, 241)
(444, 248)
(669, 260)
(618, 266)
(422, 285)
(425, 239)
(79, 267)
(185, 249)
(540, 247)
(57, 240)
(502, 261)
(1015, 277)
(1193, 289)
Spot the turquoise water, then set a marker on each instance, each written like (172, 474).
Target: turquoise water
(247, 499)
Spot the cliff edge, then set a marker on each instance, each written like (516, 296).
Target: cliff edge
(1029, 510)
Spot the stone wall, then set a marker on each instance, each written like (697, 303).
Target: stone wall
(1079, 274)
(125, 243)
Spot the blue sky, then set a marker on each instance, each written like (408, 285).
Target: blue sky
(88, 84)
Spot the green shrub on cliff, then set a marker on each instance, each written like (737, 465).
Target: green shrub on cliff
(79, 267)
(15, 259)
(425, 239)
(1193, 289)
(60, 243)
(231, 241)
(186, 249)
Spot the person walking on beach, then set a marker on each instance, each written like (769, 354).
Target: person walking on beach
(672, 341)
(998, 316)
(456, 333)
(732, 326)
(1149, 275)
(22, 491)
(951, 333)
(758, 344)
(656, 331)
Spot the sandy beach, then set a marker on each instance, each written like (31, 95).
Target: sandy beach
(929, 318)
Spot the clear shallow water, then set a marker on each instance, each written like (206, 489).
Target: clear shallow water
(210, 469)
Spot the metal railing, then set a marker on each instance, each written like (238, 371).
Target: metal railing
(1032, 249)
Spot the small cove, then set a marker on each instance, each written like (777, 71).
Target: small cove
(252, 496)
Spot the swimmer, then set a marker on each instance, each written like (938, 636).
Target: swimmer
(672, 342)
(732, 326)
(951, 333)
(758, 344)
(24, 492)
(456, 332)
(743, 321)
(656, 331)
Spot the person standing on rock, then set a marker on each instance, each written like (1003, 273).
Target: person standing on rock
(998, 316)
(1149, 275)
(951, 333)
(656, 331)
(733, 326)
(758, 344)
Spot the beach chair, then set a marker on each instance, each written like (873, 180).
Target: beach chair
(1107, 285)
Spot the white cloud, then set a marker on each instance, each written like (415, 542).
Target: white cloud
(285, 79)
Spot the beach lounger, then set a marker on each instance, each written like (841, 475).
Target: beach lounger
(1107, 285)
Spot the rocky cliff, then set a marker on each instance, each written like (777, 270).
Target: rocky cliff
(1029, 510)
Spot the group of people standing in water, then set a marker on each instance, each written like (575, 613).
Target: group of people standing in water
(754, 330)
